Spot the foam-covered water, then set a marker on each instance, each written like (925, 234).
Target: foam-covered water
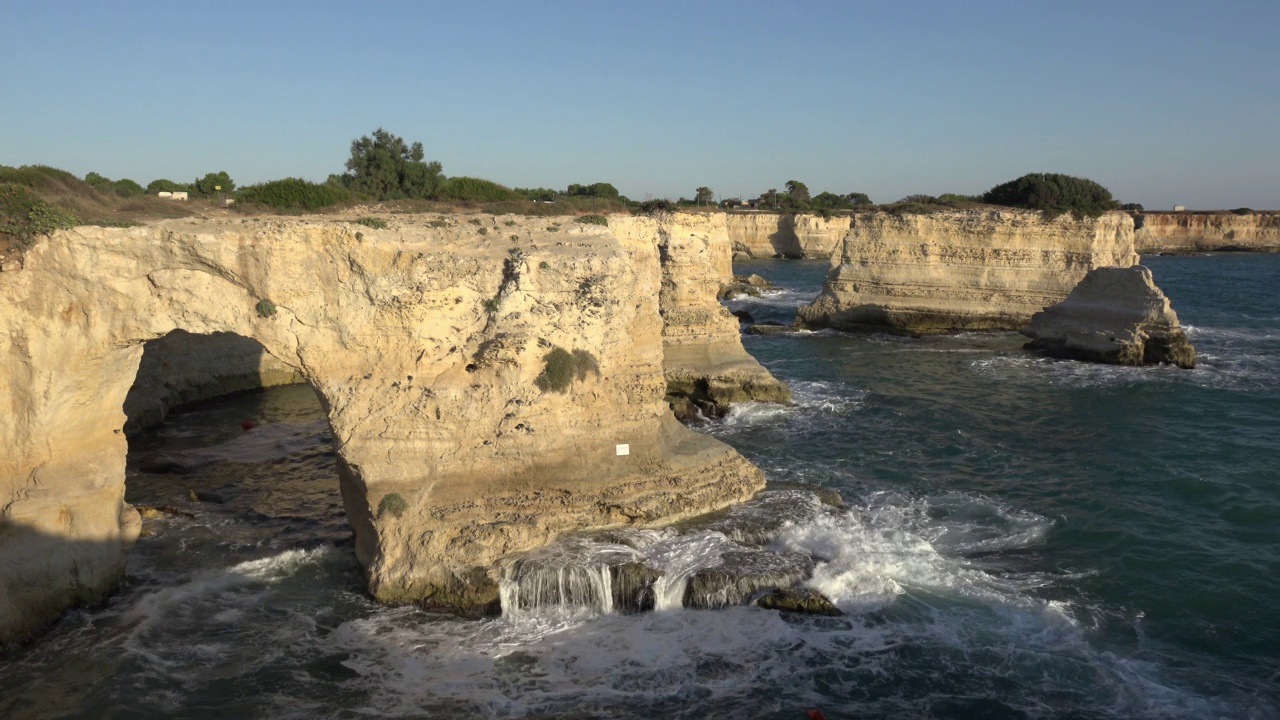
(1013, 537)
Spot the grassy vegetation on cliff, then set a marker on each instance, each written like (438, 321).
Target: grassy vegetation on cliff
(25, 216)
(296, 194)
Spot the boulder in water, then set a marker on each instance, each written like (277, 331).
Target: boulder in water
(753, 280)
(768, 327)
(744, 316)
(742, 574)
(798, 600)
(1114, 315)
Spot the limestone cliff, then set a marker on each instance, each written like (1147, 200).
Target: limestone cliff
(802, 235)
(961, 270)
(1117, 316)
(427, 343)
(1174, 232)
(706, 366)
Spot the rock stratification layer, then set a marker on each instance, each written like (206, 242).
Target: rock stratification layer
(981, 269)
(800, 235)
(1175, 232)
(432, 348)
(1117, 316)
(706, 367)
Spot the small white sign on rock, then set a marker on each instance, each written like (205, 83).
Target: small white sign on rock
(623, 449)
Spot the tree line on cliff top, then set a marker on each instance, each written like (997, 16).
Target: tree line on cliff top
(384, 167)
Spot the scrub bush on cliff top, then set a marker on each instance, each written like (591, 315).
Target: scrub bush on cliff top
(1053, 194)
(295, 193)
(25, 216)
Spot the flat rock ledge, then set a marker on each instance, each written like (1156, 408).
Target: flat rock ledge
(1114, 315)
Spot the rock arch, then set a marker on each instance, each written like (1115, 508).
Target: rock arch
(424, 342)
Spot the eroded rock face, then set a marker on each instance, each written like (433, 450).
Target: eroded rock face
(1117, 316)
(425, 342)
(800, 235)
(706, 367)
(1180, 232)
(961, 270)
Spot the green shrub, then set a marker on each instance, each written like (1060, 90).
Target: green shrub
(164, 185)
(543, 265)
(295, 193)
(1053, 194)
(392, 504)
(372, 222)
(26, 216)
(469, 189)
(474, 221)
(509, 223)
(553, 228)
(958, 199)
(484, 231)
(43, 179)
(903, 207)
(513, 238)
(655, 207)
(438, 223)
(558, 371)
(1243, 211)
(593, 220)
(584, 362)
(265, 308)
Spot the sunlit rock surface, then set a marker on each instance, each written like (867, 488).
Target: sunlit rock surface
(427, 343)
(1117, 316)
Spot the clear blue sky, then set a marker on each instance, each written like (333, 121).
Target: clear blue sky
(1163, 102)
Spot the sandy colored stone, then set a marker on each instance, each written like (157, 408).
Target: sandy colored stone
(703, 355)
(799, 235)
(1176, 232)
(982, 269)
(1117, 316)
(423, 340)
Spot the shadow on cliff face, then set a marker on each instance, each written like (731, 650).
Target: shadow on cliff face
(785, 242)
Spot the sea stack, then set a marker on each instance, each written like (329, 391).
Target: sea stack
(1115, 315)
(961, 270)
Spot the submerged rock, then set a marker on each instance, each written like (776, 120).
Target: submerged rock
(742, 574)
(1117, 316)
(737, 290)
(768, 327)
(798, 600)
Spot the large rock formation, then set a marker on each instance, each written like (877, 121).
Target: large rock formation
(430, 346)
(981, 269)
(1175, 232)
(801, 235)
(706, 367)
(1117, 316)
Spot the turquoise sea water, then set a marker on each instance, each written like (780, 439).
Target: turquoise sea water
(1022, 537)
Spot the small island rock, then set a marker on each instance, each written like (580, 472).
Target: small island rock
(1114, 315)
